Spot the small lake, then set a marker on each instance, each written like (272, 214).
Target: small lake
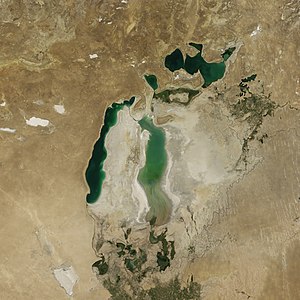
(152, 81)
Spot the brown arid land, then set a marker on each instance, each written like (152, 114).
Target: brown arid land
(64, 62)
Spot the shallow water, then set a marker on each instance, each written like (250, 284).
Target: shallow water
(151, 174)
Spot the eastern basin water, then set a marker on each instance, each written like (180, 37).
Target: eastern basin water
(151, 174)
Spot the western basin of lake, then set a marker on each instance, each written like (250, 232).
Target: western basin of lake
(152, 81)
(174, 61)
(95, 174)
(151, 174)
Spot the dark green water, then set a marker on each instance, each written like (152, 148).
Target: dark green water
(210, 72)
(227, 53)
(152, 81)
(95, 174)
(192, 64)
(197, 46)
(151, 174)
(174, 61)
(249, 78)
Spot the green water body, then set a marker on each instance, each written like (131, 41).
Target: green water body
(95, 174)
(152, 81)
(227, 53)
(210, 72)
(174, 61)
(197, 46)
(151, 174)
(249, 78)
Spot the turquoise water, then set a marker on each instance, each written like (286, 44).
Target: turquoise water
(210, 71)
(151, 174)
(152, 81)
(95, 174)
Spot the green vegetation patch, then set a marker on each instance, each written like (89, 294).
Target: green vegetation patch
(174, 291)
(164, 95)
(116, 290)
(167, 248)
(101, 266)
(253, 109)
(173, 252)
(133, 258)
(166, 291)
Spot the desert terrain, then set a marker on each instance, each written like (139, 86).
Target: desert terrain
(233, 168)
